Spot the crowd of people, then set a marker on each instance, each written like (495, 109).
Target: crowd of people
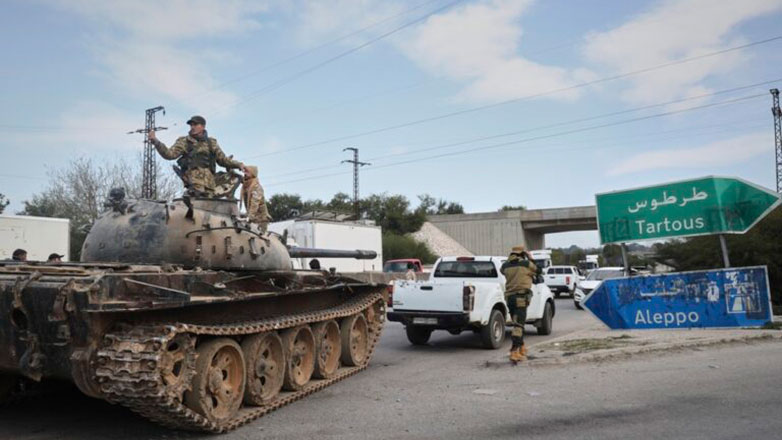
(21, 255)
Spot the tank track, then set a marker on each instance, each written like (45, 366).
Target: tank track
(129, 374)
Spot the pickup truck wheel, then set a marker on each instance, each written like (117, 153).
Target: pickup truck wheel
(493, 333)
(544, 328)
(578, 305)
(418, 335)
(556, 294)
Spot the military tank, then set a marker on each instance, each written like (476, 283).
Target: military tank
(188, 315)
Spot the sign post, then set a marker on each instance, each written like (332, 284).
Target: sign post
(709, 205)
(724, 246)
(736, 297)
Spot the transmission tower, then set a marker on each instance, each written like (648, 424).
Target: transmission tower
(356, 165)
(149, 169)
(777, 135)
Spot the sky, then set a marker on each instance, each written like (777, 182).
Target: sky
(483, 102)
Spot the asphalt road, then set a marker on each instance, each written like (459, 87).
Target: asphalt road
(447, 390)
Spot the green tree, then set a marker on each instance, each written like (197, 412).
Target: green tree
(402, 246)
(284, 206)
(341, 202)
(392, 213)
(3, 203)
(513, 208)
(558, 257)
(432, 206)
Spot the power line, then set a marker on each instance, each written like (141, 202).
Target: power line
(553, 125)
(524, 98)
(317, 48)
(547, 136)
(648, 138)
(283, 81)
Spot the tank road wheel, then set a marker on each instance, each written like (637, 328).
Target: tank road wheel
(299, 346)
(177, 363)
(218, 385)
(355, 340)
(328, 348)
(265, 367)
(7, 384)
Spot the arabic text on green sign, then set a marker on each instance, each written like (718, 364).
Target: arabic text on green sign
(709, 205)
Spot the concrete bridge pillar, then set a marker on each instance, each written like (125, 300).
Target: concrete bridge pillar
(534, 240)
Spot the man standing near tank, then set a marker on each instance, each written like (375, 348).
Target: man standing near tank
(197, 153)
(519, 271)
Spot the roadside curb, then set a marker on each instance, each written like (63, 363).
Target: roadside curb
(623, 345)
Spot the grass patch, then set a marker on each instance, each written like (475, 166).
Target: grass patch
(592, 344)
(772, 325)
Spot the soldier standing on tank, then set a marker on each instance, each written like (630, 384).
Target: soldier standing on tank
(197, 154)
(253, 199)
(519, 271)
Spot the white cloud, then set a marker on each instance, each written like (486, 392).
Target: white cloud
(324, 20)
(721, 153)
(85, 127)
(476, 44)
(166, 71)
(171, 19)
(140, 45)
(479, 44)
(672, 30)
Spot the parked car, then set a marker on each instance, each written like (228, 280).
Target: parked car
(400, 265)
(561, 279)
(590, 283)
(464, 293)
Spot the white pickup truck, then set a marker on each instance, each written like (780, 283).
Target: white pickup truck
(464, 293)
(562, 279)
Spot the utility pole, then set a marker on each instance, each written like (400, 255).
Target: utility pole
(149, 168)
(777, 135)
(356, 165)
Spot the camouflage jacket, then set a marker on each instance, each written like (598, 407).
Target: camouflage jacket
(201, 152)
(254, 202)
(519, 274)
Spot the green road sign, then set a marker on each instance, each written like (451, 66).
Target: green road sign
(709, 205)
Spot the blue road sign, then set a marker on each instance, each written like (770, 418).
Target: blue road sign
(735, 297)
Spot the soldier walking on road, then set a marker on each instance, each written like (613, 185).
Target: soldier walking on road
(253, 199)
(197, 153)
(519, 273)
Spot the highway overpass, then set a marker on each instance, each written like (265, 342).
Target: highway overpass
(494, 233)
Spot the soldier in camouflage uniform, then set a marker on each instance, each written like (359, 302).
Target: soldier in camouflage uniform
(252, 197)
(519, 271)
(197, 154)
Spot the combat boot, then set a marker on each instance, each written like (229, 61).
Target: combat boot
(523, 350)
(516, 355)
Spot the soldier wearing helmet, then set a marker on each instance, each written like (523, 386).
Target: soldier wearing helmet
(197, 155)
(519, 271)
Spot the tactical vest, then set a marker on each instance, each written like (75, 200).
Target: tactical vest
(198, 156)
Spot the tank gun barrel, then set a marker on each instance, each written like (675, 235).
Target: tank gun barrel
(358, 254)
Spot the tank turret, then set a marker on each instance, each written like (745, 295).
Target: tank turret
(186, 232)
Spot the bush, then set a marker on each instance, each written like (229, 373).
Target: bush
(402, 246)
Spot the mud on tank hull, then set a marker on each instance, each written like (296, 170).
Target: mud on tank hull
(190, 349)
(186, 315)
